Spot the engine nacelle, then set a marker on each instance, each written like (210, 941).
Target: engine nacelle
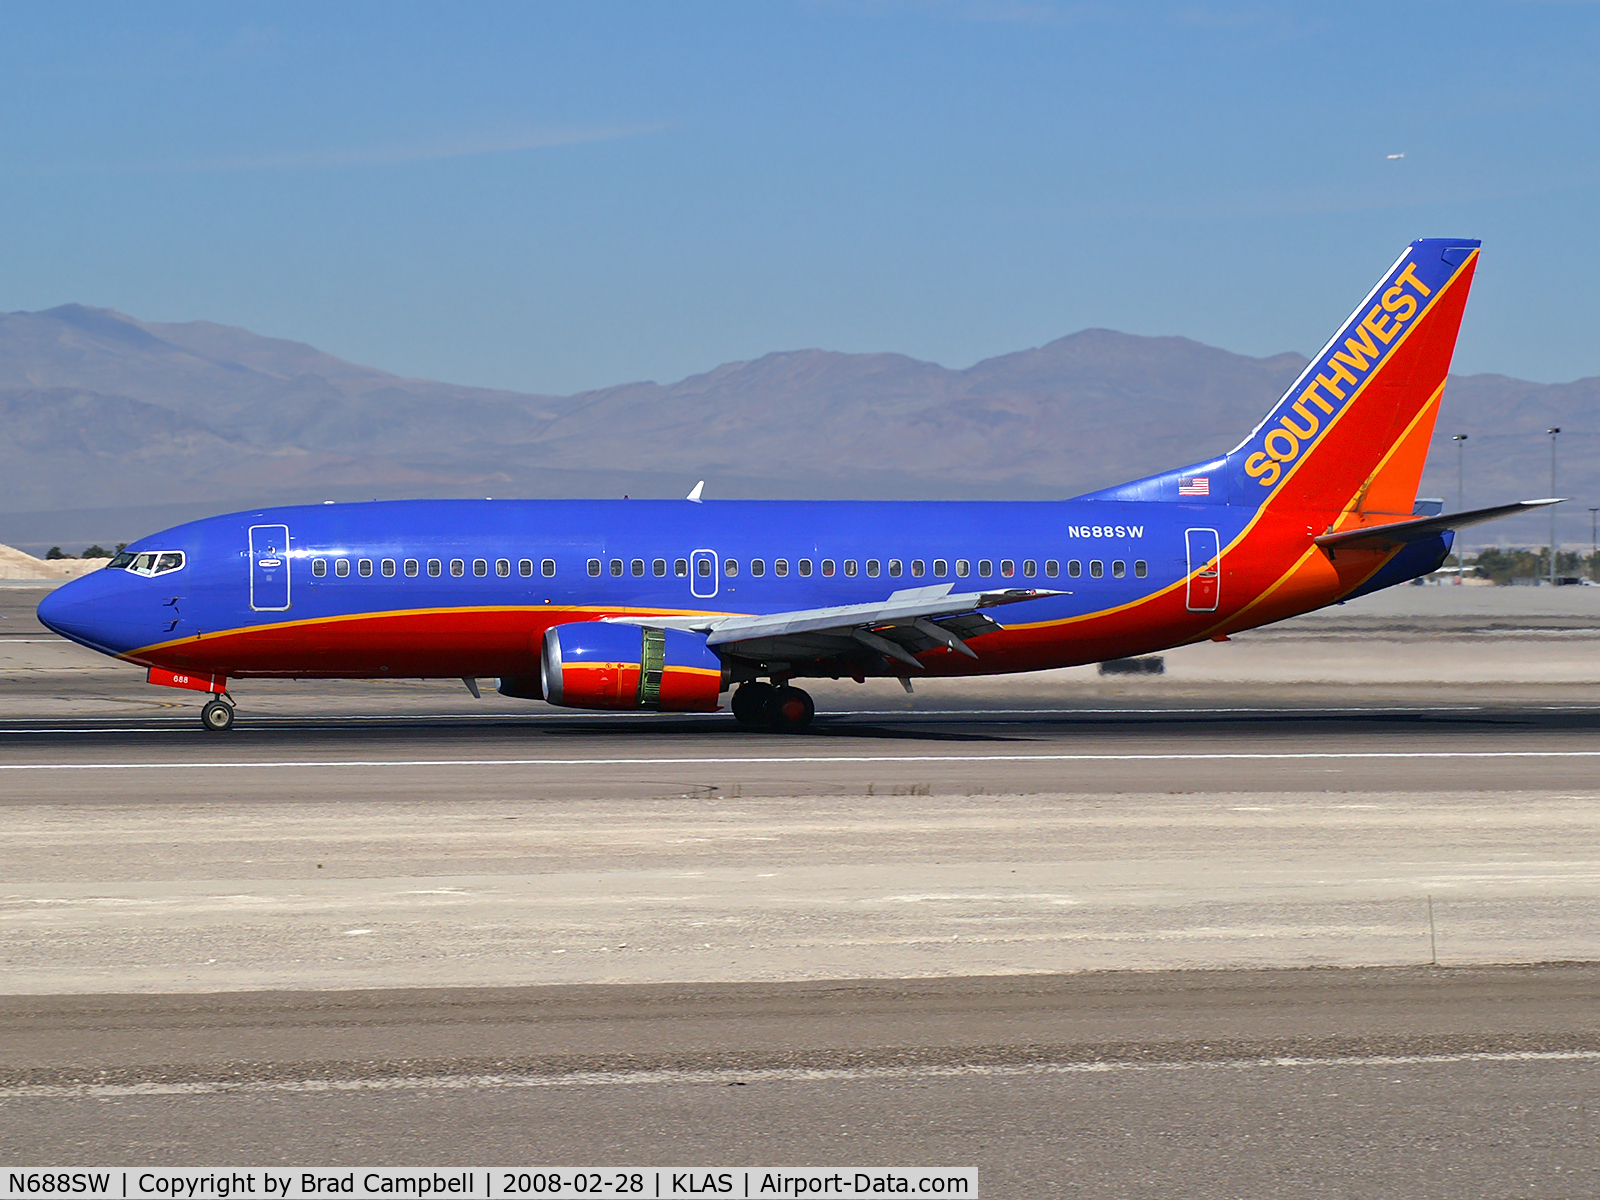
(596, 664)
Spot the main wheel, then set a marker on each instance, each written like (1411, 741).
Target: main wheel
(217, 716)
(751, 702)
(791, 710)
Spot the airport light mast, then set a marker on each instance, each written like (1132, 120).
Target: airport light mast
(1553, 432)
(1594, 542)
(1460, 439)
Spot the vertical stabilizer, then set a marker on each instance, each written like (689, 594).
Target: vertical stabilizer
(1351, 436)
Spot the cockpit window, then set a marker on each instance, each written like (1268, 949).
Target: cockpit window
(156, 562)
(123, 558)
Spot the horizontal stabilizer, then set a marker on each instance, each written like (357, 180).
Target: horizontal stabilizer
(1400, 533)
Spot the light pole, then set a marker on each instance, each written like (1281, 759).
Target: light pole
(1553, 432)
(1460, 439)
(1594, 541)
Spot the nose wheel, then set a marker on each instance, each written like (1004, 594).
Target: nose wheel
(217, 716)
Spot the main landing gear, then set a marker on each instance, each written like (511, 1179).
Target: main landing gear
(217, 715)
(782, 709)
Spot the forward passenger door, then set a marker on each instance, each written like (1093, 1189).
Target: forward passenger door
(269, 568)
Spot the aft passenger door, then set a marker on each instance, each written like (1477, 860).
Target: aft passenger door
(1205, 568)
(269, 568)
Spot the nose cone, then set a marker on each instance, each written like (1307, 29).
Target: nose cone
(86, 611)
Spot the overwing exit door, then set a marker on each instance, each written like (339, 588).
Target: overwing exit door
(269, 568)
(1205, 568)
(703, 574)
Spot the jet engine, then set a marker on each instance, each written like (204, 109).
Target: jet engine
(596, 664)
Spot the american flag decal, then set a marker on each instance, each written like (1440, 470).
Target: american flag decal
(1199, 485)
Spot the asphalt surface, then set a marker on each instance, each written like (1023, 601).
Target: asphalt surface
(1399, 1082)
(386, 923)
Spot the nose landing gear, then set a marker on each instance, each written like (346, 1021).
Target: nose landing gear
(217, 715)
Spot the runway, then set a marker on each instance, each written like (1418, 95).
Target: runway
(1194, 915)
(1375, 1083)
(426, 850)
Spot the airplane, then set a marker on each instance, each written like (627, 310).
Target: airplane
(668, 605)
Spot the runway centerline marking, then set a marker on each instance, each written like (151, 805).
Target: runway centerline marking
(802, 759)
(720, 1077)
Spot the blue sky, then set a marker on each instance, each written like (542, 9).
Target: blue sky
(550, 198)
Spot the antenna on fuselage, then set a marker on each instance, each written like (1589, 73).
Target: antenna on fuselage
(694, 496)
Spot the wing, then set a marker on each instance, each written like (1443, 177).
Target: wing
(908, 623)
(1399, 533)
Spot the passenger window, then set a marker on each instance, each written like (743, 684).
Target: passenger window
(659, 567)
(827, 566)
(458, 567)
(341, 567)
(616, 566)
(502, 567)
(680, 567)
(364, 567)
(780, 566)
(804, 566)
(730, 568)
(1007, 567)
(1052, 568)
(1074, 568)
(319, 567)
(435, 567)
(1029, 568)
(873, 568)
(387, 567)
(547, 568)
(637, 568)
(941, 568)
(525, 567)
(757, 568)
(918, 567)
(594, 566)
(896, 568)
(963, 568)
(411, 568)
(985, 567)
(1096, 568)
(850, 567)
(703, 568)
(1119, 568)
(1140, 568)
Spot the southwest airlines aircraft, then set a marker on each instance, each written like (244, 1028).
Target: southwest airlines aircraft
(666, 605)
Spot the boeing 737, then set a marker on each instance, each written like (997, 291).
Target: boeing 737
(668, 605)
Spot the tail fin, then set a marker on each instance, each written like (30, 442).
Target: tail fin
(1352, 434)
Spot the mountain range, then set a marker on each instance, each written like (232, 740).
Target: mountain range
(111, 426)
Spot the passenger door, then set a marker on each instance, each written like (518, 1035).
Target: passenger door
(269, 568)
(1205, 568)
